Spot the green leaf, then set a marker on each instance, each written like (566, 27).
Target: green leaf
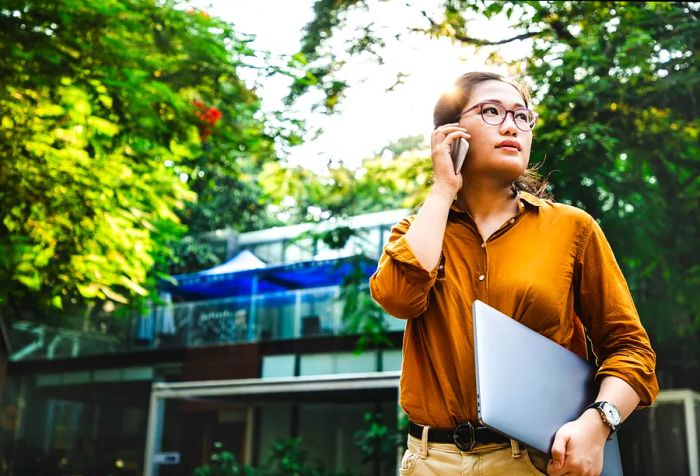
(103, 126)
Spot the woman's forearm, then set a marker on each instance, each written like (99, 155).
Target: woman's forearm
(427, 231)
(620, 393)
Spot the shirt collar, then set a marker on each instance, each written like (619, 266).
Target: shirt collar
(530, 199)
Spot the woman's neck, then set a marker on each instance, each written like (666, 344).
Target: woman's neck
(482, 200)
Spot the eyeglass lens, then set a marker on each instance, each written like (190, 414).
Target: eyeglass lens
(495, 114)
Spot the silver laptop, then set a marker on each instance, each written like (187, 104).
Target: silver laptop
(528, 386)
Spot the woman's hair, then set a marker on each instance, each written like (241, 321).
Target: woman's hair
(451, 104)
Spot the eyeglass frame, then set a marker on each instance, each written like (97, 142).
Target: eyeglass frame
(512, 111)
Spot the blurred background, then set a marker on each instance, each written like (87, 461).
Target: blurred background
(194, 194)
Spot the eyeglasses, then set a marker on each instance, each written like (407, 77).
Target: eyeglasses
(495, 114)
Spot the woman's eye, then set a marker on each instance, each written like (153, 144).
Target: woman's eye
(522, 116)
(490, 110)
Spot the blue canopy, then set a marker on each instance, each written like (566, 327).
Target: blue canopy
(304, 275)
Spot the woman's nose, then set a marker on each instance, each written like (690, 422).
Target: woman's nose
(509, 124)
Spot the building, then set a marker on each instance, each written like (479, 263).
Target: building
(247, 353)
(251, 352)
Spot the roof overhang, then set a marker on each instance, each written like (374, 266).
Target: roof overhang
(271, 386)
(271, 279)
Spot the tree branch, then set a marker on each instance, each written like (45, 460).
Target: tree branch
(434, 26)
(524, 36)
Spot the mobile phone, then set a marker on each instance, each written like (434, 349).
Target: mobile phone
(459, 152)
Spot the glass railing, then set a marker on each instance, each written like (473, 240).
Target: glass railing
(275, 316)
(34, 341)
(284, 315)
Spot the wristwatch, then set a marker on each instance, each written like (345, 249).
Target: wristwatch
(609, 413)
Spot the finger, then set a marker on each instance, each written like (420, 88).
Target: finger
(440, 136)
(453, 136)
(558, 450)
(446, 127)
(560, 471)
(553, 470)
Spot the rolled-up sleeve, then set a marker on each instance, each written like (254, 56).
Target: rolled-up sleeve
(401, 286)
(604, 303)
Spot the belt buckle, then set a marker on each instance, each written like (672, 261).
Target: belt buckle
(463, 436)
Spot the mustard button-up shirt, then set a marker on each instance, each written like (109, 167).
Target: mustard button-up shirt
(550, 268)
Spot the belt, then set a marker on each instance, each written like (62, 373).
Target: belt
(464, 435)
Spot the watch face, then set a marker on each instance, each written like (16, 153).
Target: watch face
(611, 414)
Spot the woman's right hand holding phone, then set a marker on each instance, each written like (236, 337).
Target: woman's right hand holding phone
(443, 167)
(426, 233)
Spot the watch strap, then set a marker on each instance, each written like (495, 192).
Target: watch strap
(599, 406)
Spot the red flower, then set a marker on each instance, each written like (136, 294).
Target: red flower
(209, 115)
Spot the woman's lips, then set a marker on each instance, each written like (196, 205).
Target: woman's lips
(508, 144)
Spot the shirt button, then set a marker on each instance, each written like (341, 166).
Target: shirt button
(441, 267)
(483, 245)
(482, 277)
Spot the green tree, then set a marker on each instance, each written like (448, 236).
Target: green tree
(395, 177)
(616, 84)
(620, 128)
(123, 123)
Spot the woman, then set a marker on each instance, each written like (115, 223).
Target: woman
(481, 235)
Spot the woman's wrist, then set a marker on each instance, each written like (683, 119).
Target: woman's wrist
(443, 190)
(595, 422)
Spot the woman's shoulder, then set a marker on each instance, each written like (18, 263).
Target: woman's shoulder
(549, 209)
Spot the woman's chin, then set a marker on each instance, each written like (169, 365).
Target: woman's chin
(510, 169)
(508, 172)
(502, 168)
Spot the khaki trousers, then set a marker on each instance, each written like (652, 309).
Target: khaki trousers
(493, 459)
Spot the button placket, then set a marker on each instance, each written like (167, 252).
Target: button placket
(483, 272)
(441, 268)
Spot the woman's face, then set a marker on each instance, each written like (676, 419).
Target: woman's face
(488, 155)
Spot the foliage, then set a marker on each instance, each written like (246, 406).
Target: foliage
(73, 226)
(288, 458)
(362, 316)
(122, 121)
(320, 74)
(379, 443)
(617, 84)
(223, 463)
(621, 129)
(396, 177)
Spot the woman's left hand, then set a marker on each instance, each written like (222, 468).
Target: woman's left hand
(578, 446)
